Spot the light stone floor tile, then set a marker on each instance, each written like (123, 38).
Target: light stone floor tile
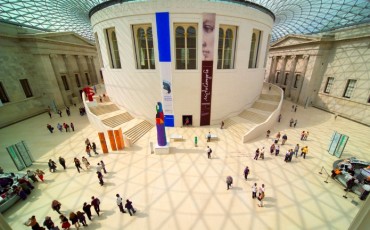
(185, 190)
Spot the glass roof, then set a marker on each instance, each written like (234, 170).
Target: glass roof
(292, 16)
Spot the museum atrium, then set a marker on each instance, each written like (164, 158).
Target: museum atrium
(282, 61)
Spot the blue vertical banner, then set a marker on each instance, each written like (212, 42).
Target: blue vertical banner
(164, 51)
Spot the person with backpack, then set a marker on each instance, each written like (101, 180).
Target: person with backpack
(209, 152)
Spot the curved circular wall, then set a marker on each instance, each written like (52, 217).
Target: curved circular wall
(203, 60)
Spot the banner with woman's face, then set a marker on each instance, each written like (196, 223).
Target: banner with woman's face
(208, 36)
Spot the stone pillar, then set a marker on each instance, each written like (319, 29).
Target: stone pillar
(282, 70)
(291, 75)
(80, 59)
(305, 63)
(54, 64)
(92, 72)
(68, 61)
(273, 69)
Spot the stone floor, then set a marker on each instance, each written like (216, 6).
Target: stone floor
(185, 190)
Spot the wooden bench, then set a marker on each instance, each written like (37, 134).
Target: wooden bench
(176, 137)
(213, 136)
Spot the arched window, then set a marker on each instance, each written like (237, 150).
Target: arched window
(255, 44)
(144, 46)
(186, 46)
(226, 47)
(113, 51)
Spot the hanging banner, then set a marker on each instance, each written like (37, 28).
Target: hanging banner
(209, 21)
(164, 51)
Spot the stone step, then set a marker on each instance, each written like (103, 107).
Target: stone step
(270, 97)
(252, 116)
(117, 120)
(264, 106)
(103, 109)
(139, 130)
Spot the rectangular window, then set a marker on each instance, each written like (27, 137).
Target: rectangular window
(226, 47)
(98, 47)
(255, 45)
(113, 52)
(143, 38)
(277, 77)
(3, 95)
(87, 78)
(65, 82)
(26, 88)
(349, 88)
(296, 80)
(186, 46)
(78, 80)
(329, 84)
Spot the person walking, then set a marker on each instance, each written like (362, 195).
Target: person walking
(209, 137)
(52, 166)
(302, 135)
(74, 219)
(284, 139)
(100, 177)
(262, 153)
(85, 162)
(60, 113)
(68, 112)
(268, 133)
(279, 118)
(103, 166)
(65, 223)
(119, 203)
(88, 149)
(48, 223)
(296, 149)
(99, 168)
(72, 127)
(50, 128)
(209, 152)
(295, 108)
(222, 124)
(129, 207)
(40, 174)
(60, 127)
(254, 191)
(78, 164)
(95, 202)
(246, 172)
(32, 222)
(306, 136)
(94, 148)
(261, 195)
(56, 205)
(229, 182)
(295, 123)
(81, 217)
(62, 161)
(304, 152)
(87, 209)
(256, 154)
(291, 122)
(277, 150)
(272, 149)
(87, 142)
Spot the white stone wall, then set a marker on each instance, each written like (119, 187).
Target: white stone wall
(139, 90)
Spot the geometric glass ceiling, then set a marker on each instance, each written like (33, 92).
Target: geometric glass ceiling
(291, 16)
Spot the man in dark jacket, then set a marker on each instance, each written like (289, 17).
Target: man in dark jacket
(87, 209)
(96, 203)
(129, 207)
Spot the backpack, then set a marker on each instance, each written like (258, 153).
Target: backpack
(210, 150)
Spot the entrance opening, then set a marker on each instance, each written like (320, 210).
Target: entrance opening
(187, 120)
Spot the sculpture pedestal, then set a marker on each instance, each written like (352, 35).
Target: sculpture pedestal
(162, 149)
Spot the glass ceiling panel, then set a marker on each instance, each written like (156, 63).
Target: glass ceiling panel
(292, 16)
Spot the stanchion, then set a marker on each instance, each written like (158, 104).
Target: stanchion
(321, 170)
(326, 181)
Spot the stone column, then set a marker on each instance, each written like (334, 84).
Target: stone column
(92, 72)
(291, 75)
(273, 69)
(282, 70)
(68, 61)
(54, 64)
(79, 59)
(305, 63)
(4, 225)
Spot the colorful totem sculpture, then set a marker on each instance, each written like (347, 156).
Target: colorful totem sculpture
(159, 121)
